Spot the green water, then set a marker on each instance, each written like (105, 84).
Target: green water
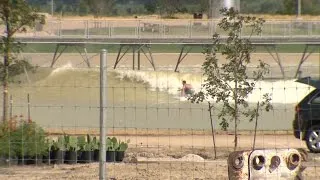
(70, 99)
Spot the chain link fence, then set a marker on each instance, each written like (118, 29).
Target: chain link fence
(156, 28)
(152, 132)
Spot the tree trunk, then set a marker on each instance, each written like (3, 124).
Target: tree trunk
(6, 64)
(256, 127)
(212, 131)
(235, 116)
(5, 89)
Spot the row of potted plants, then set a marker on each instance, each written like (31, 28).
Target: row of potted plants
(85, 149)
(27, 143)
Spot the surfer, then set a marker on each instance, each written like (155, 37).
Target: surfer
(187, 89)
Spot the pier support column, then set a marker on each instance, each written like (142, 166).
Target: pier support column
(272, 48)
(305, 56)
(276, 58)
(136, 48)
(185, 50)
(58, 52)
(134, 57)
(182, 55)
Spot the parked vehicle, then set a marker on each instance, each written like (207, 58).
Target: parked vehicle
(306, 123)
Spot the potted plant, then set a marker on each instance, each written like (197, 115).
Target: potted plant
(112, 145)
(81, 144)
(58, 150)
(86, 148)
(48, 155)
(71, 144)
(120, 151)
(95, 146)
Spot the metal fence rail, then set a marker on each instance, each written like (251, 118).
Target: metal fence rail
(161, 29)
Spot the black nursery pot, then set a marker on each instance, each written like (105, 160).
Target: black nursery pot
(4, 161)
(13, 161)
(30, 160)
(8, 161)
(25, 160)
(119, 156)
(35, 160)
(58, 157)
(47, 157)
(71, 157)
(86, 157)
(96, 155)
(111, 156)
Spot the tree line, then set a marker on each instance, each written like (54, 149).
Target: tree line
(168, 7)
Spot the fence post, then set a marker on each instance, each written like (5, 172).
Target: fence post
(60, 28)
(103, 114)
(190, 28)
(310, 28)
(87, 29)
(11, 104)
(29, 114)
(139, 29)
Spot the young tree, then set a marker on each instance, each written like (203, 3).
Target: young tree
(169, 7)
(289, 6)
(228, 83)
(101, 7)
(16, 16)
(151, 7)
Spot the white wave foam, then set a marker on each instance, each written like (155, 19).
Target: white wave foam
(282, 91)
(69, 67)
(63, 68)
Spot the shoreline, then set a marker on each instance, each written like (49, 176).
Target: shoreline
(166, 62)
(169, 59)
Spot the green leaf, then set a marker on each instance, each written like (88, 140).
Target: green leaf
(81, 141)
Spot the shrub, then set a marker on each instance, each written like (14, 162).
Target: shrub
(6, 149)
(28, 140)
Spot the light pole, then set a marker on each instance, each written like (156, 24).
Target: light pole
(51, 7)
(103, 114)
(299, 8)
(210, 9)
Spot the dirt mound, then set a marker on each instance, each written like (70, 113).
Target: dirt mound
(192, 157)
